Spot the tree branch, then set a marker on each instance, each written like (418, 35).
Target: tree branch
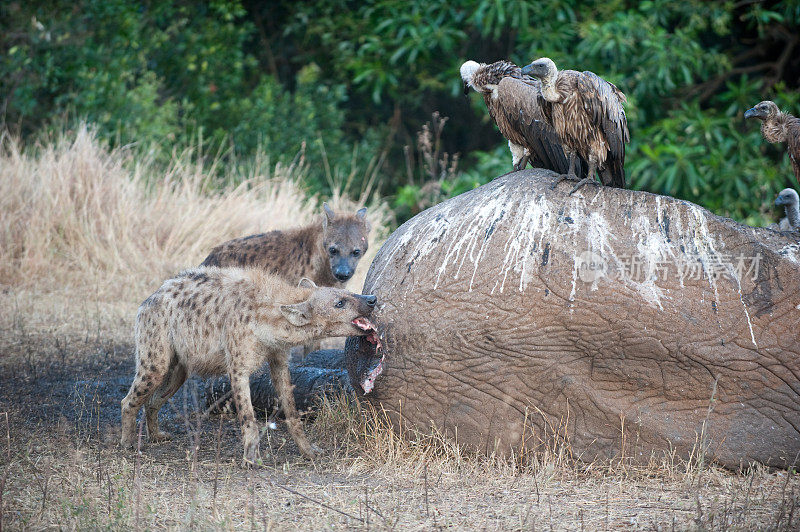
(780, 64)
(273, 66)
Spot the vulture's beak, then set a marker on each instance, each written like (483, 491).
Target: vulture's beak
(466, 88)
(779, 200)
(752, 113)
(526, 70)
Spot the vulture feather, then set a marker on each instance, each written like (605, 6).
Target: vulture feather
(515, 104)
(587, 114)
(779, 127)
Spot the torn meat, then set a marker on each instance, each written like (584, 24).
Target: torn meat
(372, 337)
(369, 381)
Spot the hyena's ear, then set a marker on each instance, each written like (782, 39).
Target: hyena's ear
(362, 215)
(298, 314)
(329, 215)
(305, 282)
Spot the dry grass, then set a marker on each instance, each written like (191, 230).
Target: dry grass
(86, 234)
(101, 230)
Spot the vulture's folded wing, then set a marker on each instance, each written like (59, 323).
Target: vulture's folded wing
(520, 105)
(793, 147)
(603, 103)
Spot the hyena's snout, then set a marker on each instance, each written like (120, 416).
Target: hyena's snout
(366, 304)
(343, 271)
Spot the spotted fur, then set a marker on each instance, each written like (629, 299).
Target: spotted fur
(211, 321)
(326, 252)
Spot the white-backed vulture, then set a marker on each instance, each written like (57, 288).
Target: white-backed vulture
(790, 201)
(515, 103)
(587, 114)
(779, 127)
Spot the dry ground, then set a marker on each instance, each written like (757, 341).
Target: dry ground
(61, 467)
(85, 235)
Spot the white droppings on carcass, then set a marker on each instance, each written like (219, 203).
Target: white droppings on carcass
(525, 221)
(474, 232)
(575, 267)
(702, 245)
(425, 237)
(654, 250)
(790, 251)
(598, 237)
(532, 218)
(702, 232)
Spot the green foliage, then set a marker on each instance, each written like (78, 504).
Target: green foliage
(340, 77)
(165, 74)
(689, 68)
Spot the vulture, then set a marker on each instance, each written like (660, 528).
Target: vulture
(779, 127)
(515, 104)
(587, 114)
(791, 206)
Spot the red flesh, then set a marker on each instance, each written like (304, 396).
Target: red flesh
(372, 337)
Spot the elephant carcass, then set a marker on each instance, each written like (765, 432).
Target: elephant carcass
(623, 323)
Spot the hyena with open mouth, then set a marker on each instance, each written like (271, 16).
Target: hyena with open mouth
(212, 321)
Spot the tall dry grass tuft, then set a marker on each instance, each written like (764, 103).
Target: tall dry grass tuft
(80, 215)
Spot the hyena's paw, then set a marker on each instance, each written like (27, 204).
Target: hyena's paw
(249, 461)
(252, 457)
(126, 442)
(160, 437)
(310, 451)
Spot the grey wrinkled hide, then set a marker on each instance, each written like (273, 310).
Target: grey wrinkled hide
(320, 374)
(620, 322)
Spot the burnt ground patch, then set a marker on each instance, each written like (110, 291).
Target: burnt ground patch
(72, 388)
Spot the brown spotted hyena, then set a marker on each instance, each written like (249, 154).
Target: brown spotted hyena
(327, 252)
(212, 321)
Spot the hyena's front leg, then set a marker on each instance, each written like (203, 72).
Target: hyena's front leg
(240, 387)
(279, 370)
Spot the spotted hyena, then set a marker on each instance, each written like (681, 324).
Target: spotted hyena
(210, 321)
(327, 252)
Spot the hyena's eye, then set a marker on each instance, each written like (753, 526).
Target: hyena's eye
(333, 251)
(340, 303)
(356, 253)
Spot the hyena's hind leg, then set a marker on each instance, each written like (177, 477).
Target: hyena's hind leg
(151, 368)
(174, 379)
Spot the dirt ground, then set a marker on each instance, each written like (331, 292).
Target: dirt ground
(61, 381)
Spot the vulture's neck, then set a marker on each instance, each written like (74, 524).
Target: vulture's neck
(775, 128)
(549, 91)
(793, 214)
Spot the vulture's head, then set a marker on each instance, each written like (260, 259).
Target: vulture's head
(468, 70)
(543, 69)
(762, 110)
(787, 198)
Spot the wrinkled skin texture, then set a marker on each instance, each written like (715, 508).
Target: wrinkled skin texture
(496, 332)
